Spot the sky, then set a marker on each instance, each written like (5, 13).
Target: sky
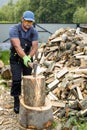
(2, 2)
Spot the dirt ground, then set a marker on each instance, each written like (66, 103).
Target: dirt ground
(8, 119)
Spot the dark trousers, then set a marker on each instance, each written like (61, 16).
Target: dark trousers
(18, 69)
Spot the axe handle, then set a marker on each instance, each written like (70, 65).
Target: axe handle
(35, 69)
(33, 66)
(30, 64)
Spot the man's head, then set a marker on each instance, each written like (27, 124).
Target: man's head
(27, 19)
(28, 15)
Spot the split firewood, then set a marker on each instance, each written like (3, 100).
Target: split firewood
(57, 33)
(50, 79)
(75, 93)
(58, 39)
(73, 104)
(82, 113)
(61, 113)
(53, 84)
(59, 104)
(52, 97)
(79, 93)
(81, 56)
(62, 72)
(81, 71)
(78, 54)
(83, 103)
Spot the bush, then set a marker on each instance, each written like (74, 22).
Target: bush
(4, 56)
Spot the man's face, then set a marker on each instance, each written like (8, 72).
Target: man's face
(26, 24)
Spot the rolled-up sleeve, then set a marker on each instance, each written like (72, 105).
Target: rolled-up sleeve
(35, 36)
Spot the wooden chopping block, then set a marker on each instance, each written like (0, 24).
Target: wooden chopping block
(34, 90)
(35, 117)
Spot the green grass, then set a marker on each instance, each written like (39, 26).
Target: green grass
(79, 122)
(83, 126)
(54, 124)
(4, 56)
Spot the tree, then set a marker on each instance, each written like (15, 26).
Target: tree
(49, 11)
(7, 12)
(80, 16)
(80, 3)
(20, 7)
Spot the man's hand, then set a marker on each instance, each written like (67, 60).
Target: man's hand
(29, 58)
(26, 59)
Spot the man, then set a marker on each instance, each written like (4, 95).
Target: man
(24, 45)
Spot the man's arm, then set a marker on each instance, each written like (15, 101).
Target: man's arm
(16, 43)
(34, 48)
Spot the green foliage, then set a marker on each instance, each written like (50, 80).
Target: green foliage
(6, 22)
(20, 7)
(49, 11)
(83, 126)
(0, 77)
(69, 11)
(73, 121)
(80, 123)
(80, 16)
(54, 124)
(4, 56)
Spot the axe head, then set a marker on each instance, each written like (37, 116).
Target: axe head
(35, 67)
(35, 64)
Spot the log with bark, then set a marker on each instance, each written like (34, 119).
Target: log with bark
(34, 90)
(6, 72)
(36, 117)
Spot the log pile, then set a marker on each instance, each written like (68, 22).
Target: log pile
(63, 62)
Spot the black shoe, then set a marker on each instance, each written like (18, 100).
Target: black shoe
(16, 104)
(16, 110)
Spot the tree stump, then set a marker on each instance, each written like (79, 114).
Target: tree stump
(35, 108)
(6, 72)
(37, 118)
(22, 128)
(34, 90)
